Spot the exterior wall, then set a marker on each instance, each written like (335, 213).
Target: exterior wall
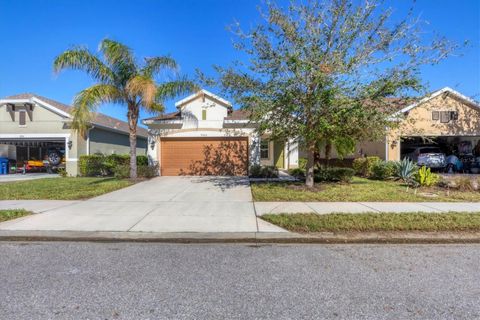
(109, 142)
(43, 121)
(192, 114)
(7, 151)
(364, 148)
(419, 122)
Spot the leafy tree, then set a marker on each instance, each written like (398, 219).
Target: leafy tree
(122, 80)
(325, 70)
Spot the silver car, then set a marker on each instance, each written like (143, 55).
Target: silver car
(431, 157)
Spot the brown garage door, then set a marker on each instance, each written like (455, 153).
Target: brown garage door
(204, 156)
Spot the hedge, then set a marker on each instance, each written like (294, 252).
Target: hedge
(108, 165)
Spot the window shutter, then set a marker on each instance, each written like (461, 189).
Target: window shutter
(453, 115)
(22, 118)
(435, 115)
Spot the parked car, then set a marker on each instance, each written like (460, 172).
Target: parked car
(429, 156)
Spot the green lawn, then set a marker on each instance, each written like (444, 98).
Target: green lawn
(359, 189)
(364, 222)
(12, 214)
(60, 188)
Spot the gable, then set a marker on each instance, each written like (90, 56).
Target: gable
(445, 114)
(202, 108)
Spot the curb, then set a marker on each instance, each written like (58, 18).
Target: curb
(247, 237)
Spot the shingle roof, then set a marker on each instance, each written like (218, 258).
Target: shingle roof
(98, 118)
(166, 116)
(238, 115)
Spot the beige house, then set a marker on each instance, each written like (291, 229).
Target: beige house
(32, 126)
(444, 118)
(206, 136)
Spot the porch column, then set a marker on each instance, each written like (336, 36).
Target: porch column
(255, 149)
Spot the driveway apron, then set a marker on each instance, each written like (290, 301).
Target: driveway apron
(163, 204)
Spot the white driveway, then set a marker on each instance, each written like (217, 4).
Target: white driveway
(163, 204)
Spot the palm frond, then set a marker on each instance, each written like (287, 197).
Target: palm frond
(88, 100)
(172, 89)
(143, 87)
(82, 59)
(156, 64)
(118, 55)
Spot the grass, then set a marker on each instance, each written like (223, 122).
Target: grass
(359, 189)
(365, 222)
(12, 214)
(60, 188)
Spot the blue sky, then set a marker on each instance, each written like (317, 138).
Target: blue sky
(193, 32)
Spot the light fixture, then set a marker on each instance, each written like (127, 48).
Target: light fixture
(152, 144)
(69, 144)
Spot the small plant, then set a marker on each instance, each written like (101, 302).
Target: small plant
(406, 170)
(364, 166)
(384, 170)
(297, 172)
(302, 163)
(426, 178)
(334, 174)
(62, 172)
(258, 171)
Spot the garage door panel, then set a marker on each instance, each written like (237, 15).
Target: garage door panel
(202, 156)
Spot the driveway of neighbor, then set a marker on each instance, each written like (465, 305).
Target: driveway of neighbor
(163, 204)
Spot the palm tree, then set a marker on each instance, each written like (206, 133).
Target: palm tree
(120, 80)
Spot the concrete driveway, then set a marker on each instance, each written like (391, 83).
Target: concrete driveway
(163, 204)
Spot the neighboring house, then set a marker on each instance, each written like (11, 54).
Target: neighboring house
(31, 125)
(206, 136)
(445, 118)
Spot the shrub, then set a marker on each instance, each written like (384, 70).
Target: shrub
(297, 172)
(334, 174)
(142, 160)
(363, 166)
(406, 170)
(121, 171)
(460, 183)
(302, 163)
(425, 177)
(258, 171)
(62, 172)
(146, 171)
(384, 170)
(92, 165)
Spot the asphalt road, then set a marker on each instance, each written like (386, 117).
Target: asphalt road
(166, 281)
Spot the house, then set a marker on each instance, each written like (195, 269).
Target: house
(444, 118)
(205, 136)
(31, 126)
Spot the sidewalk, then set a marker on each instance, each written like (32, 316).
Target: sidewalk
(262, 208)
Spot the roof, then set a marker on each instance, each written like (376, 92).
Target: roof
(238, 115)
(191, 97)
(447, 90)
(166, 116)
(99, 119)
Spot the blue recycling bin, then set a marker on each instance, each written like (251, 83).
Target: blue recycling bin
(3, 165)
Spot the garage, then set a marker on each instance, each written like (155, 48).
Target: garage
(224, 156)
(459, 154)
(30, 155)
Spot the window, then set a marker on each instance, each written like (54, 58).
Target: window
(204, 114)
(435, 115)
(444, 116)
(22, 120)
(264, 149)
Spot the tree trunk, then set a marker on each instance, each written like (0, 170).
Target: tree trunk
(132, 123)
(328, 151)
(309, 174)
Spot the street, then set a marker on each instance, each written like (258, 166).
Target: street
(68, 280)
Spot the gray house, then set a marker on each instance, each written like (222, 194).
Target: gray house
(31, 126)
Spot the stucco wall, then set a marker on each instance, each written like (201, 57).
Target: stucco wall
(192, 113)
(43, 121)
(419, 122)
(109, 142)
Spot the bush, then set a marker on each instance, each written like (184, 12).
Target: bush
(406, 170)
(364, 166)
(258, 171)
(425, 177)
(334, 174)
(460, 183)
(113, 164)
(297, 172)
(384, 170)
(146, 171)
(302, 163)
